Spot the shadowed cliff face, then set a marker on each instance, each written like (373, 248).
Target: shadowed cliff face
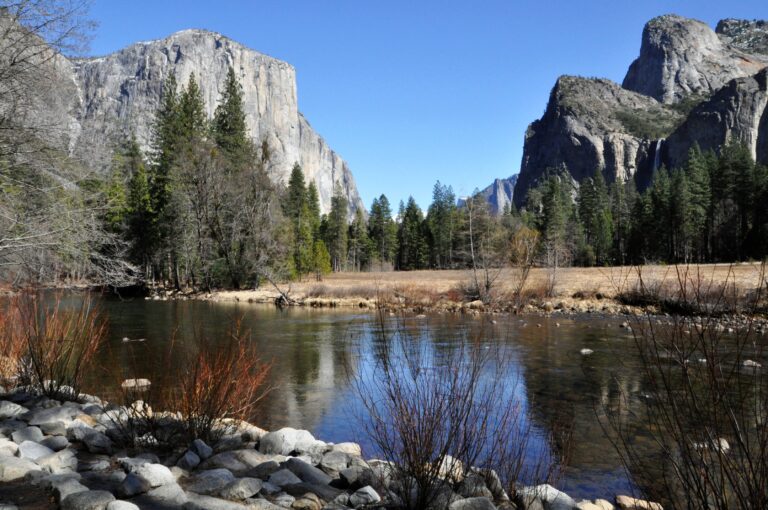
(689, 85)
(117, 95)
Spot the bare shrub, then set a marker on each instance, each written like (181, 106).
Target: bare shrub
(11, 344)
(438, 413)
(704, 404)
(58, 342)
(223, 383)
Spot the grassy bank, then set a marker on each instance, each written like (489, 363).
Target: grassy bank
(609, 290)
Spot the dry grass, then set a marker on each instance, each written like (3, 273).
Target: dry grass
(424, 288)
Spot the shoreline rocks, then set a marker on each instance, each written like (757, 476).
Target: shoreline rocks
(64, 448)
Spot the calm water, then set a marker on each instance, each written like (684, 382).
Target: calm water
(314, 350)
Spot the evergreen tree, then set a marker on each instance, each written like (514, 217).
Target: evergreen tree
(413, 249)
(336, 230)
(297, 193)
(359, 243)
(229, 127)
(441, 218)
(313, 201)
(596, 218)
(321, 259)
(382, 231)
(699, 188)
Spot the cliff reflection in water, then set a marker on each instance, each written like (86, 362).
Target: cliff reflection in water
(314, 351)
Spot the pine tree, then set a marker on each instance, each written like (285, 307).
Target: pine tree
(413, 249)
(382, 231)
(321, 259)
(698, 176)
(296, 194)
(337, 230)
(441, 217)
(313, 201)
(229, 127)
(359, 243)
(596, 217)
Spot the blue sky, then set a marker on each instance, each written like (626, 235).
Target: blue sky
(411, 92)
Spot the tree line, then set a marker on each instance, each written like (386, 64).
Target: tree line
(200, 210)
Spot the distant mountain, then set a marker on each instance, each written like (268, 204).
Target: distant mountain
(499, 195)
(690, 85)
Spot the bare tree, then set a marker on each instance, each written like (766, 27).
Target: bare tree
(439, 415)
(704, 404)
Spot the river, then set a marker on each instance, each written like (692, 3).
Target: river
(315, 351)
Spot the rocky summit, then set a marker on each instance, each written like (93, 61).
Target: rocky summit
(102, 101)
(689, 85)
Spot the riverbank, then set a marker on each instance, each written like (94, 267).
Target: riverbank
(68, 455)
(611, 291)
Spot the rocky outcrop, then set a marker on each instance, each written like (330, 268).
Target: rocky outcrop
(689, 85)
(749, 36)
(738, 111)
(680, 57)
(116, 96)
(593, 124)
(499, 195)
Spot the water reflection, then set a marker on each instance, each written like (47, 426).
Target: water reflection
(314, 350)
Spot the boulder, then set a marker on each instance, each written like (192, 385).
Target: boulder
(201, 449)
(307, 472)
(8, 447)
(348, 448)
(27, 434)
(357, 476)
(168, 495)
(334, 461)
(13, 468)
(287, 440)
(63, 488)
(210, 481)
(87, 500)
(325, 492)
(262, 504)
(283, 477)
(199, 502)
(54, 428)
(242, 488)
(364, 496)
(55, 443)
(308, 501)
(96, 442)
(587, 505)
(155, 474)
(188, 461)
(472, 504)
(132, 485)
(264, 469)
(473, 486)
(33, 451)
(61, 462)
(284, 500)
(121, 505)
(41, 416)
(547, 496)
(630, 503)
(11, 410)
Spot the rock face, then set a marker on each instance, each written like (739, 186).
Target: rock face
(115, 96)
(499, 194)
(680, 57)
(690, 84)
(737, 111)
(592, 124)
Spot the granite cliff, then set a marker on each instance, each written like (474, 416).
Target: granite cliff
(109, 98)
(690, 84)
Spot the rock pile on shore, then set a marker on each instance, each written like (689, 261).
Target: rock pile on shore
(68, 451)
